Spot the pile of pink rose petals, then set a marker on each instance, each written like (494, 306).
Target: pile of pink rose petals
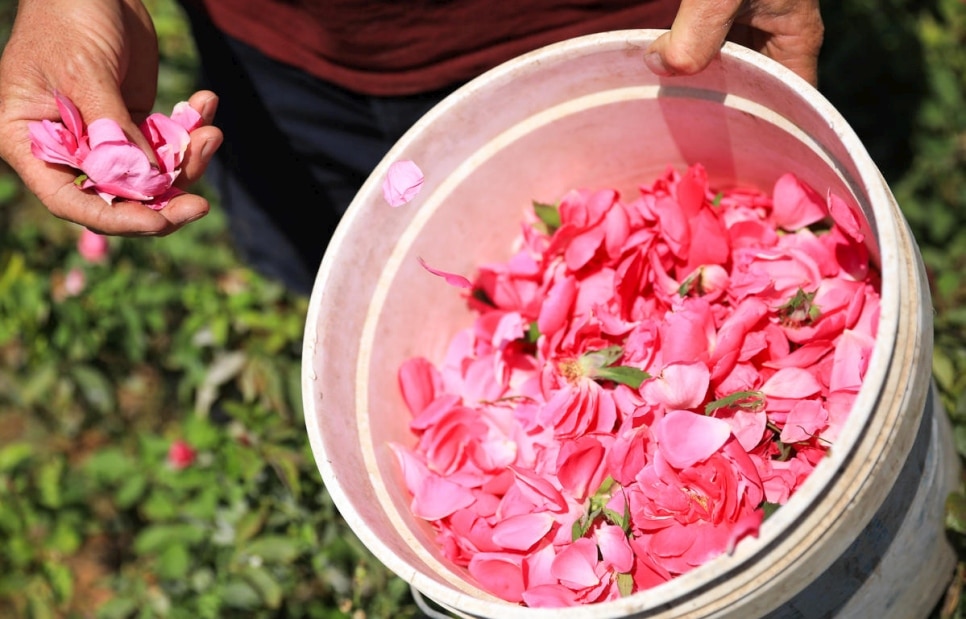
(643, 383)
(110, 163)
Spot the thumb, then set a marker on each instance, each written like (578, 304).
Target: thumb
(108, 102)
(696, 36)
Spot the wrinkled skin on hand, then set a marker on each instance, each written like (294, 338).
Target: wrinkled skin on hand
(787, 31)
(103, 56)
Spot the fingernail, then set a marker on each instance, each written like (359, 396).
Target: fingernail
(209, 107)
(208, 149)
(656, 64)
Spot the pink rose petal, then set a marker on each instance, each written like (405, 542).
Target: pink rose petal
(574, 565)
(403, 182)
(685, 438)
(451, 278)
(523, 531)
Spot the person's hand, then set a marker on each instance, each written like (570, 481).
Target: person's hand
(788, 31)
(103, 56)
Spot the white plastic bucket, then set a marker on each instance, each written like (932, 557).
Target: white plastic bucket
(863, 537)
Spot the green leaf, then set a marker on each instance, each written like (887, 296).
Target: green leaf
(943, 369)
(577, 530)
(250, 524)
(118, 608)
(9, 189)
(156, 538)
(769, 508)
(237, 593)
(533, 333)
(286, 465)
(109, 465)
(614, 518)
(625, 584)
(174, 562)
(750, 400)
(48, 482)
(799, 310)
(959, 439)
(14, 454)
(596, 359)
(273, 549)
(956, 512)
(548, 214)
(624, 375)
(265, 584)
(65, 538)
(131, 490)
(95, 387)
(61, 580)
(686, 285)
(159, 506)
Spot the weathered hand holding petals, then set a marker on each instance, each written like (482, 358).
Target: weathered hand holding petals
(110, 163)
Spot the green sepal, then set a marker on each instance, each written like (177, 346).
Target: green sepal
(749, 400)
(533, 333)
(625, 584)
(548, 214)
(769, 508)
(624, 375)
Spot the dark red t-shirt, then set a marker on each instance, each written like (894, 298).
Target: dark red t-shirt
(398, 47)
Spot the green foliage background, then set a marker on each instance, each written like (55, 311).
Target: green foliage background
(174, 339)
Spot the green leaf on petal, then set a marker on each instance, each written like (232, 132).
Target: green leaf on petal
(615, 519)
(548, 214)
(577, 530)
(769, 508)
(686, 286)
(625, 584)
(533, 333)
(748, 400)
(624, 375)
(596, 359)
(799, 310)
(597, 364)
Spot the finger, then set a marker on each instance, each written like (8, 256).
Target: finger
(696, 36)
(107, 102)
(205, 103)
(792, 33)
(182, 210)
(120, 218)
(205, 140)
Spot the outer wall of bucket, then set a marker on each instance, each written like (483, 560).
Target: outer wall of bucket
(862, 537)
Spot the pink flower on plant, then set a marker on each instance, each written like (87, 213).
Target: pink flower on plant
(109, 162)
(91, 246)
(181, 455)
(74, 282)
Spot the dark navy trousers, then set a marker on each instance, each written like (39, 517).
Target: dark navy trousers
(296, 151)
